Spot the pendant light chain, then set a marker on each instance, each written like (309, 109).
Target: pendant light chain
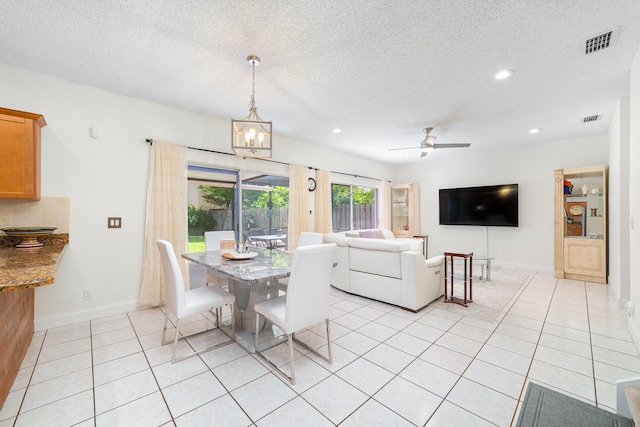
(253, 87)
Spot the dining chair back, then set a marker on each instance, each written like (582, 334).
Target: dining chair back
(307, 301)
(307, 238)
(212, 241)
(183, 303)
(305, 304)
(212, 238)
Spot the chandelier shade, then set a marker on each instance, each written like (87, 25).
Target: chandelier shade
(251, 136)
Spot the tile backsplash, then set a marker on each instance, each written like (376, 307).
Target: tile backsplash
(46, 212)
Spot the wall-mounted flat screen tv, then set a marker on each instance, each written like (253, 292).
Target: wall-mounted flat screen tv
(494, 205)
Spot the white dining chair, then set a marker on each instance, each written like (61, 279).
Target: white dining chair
(183, 303)
(307, 238)
(212, 243)
(305, 304)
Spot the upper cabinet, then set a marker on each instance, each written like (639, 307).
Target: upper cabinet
(20, 154)
(406, 210)
(581, 223)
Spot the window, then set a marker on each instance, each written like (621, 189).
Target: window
(218, 199)
(211, 196)
(353, 207)
(265, 209)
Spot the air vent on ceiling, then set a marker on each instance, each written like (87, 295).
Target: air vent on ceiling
(591, 118)
(601, 41)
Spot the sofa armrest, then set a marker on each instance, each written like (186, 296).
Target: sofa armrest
(435, 261)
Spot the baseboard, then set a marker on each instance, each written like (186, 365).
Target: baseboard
(531, 267)
(83, 316)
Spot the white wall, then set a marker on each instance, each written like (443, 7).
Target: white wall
(107, 176)
(529, 245)
(618, 198)
(634, 197)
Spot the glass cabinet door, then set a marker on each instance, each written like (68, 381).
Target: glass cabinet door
(584, 206)
(400, 209)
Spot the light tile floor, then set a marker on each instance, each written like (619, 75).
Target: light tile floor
(391, 367)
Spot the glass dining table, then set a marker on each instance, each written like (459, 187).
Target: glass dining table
(251, 280)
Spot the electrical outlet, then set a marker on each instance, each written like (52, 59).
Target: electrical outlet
(88, 295)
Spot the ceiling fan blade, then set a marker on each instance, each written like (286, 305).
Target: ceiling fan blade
(462, 145)
(403, 148)
(423, 153)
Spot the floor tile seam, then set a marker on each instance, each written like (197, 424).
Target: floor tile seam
(531, 359)
(466, 410)
(227, 390)
(146, 357)
(131, 401)
(625, 367)
(30, 378)
(563, 351)
(318, 410)
(621, 352)
(20, 412)
(593, 360)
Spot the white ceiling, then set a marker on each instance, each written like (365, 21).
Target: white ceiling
(380, 71)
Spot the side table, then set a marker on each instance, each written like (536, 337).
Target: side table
(468, 277)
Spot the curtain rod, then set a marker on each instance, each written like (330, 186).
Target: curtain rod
(150, 141)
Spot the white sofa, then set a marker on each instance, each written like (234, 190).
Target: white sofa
(386, 269)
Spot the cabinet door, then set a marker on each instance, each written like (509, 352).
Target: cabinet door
(19, 158)
(585, 259)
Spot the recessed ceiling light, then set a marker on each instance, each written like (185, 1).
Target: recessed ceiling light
(504, 74)
(337, 130)
(535, 130)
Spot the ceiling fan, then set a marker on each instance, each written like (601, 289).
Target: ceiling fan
(428, 144)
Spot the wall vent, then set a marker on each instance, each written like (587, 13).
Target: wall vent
(601, 41)
(591, 118)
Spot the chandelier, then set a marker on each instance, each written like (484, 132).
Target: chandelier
(251, 136)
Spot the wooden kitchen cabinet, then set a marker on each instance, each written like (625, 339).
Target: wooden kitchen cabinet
(20, 154)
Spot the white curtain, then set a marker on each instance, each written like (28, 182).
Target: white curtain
(323, 202)
(166, 217)
(385, 205)
(299, 217)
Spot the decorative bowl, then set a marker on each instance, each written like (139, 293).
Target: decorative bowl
(29, 235)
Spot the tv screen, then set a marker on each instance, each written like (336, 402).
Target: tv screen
(495, 205)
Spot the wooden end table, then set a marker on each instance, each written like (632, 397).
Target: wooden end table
(468, 277)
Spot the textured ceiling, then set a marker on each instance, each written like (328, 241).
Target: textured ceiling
(380, 71)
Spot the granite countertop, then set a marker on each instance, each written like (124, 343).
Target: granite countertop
(26, 268)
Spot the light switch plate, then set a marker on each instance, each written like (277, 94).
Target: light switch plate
(114, 222)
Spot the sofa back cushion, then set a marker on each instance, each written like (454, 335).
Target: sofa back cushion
(338, 238)
(384, 245)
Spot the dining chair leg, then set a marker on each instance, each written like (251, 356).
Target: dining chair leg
(328, 358)
(293, 371)
(175, 342)
(164, 330)
(329, 341)
(256, 337)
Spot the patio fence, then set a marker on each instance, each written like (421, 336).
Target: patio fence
(364, 216)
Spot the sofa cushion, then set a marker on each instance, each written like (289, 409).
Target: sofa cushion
(352, 234)
(338, 238)
(385, 245)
